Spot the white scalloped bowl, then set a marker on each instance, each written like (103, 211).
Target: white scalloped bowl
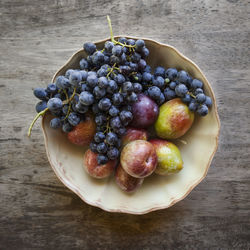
(157, 192)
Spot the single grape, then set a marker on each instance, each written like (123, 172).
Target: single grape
(84, 75)
(147, 77)
(74, 119)
(172, 85)
(142, 64)
(93, 147)
(92, 80)
(171, 74)
(137, 87)
(54, 104)
(80, 108)
(90, 48)
(103, 82)
(119, 78)
(98, 58)
(75, 77)
(86, 98)
(109, 46)
(115, 122)
(51, 89)
(67, 127)
(186, 99)
(126, 117)
(147, 69)
(102, 72)
(113, 153)
(132, 98)
(181, 90)
(135, 57)
(127, 87)
(84, 64)
(193, 105)
(117, 50)
(133, 66)
(102, 148)
(158, 81)
(182, 76)
(144, 52)
(202, 110)
(111, 138)
(113, 111)
(200, 98)
(125, 70)
(40, 106)
(62, 82)
(161, 100)
(112, 87)
(104, 104)
(117, 99)
(159, 71)
(131, 42)
(169, 94)
(55, 123)
(99, 137)
(102, 159)
(114, 60)
(40, 93)
(154, 92)
(196, 84)
(98, 92)
(198, 91)
(208, 101)
(139, 44)
(68, 72)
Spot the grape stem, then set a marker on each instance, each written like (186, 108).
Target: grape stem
(112, 35)
(191, 94)
(35, 119)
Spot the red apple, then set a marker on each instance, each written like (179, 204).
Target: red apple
(83, 133)
(139, 159)
(98, 171)
(133, 134)
(145, 112)
(127, 182)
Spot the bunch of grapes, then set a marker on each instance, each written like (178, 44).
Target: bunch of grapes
(107, 83)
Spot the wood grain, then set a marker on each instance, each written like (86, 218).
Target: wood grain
(37, 211)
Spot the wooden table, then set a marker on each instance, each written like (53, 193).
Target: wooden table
(37, 211)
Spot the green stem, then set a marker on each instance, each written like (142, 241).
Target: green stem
(110, 28)
(191, 94)
(112, 35)
(35, 119)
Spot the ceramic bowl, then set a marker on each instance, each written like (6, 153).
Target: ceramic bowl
(157, 192)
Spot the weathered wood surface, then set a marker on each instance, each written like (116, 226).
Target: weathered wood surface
(37, 211)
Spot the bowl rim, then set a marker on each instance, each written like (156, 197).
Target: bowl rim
(73, 188)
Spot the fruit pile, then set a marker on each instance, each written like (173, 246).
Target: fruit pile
(115, 87)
